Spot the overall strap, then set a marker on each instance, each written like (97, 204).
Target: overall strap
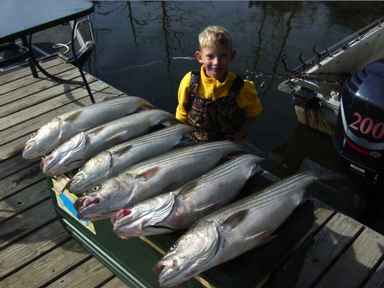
(193, 90)
(236, 86)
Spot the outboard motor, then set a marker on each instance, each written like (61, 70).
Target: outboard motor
(359, 137)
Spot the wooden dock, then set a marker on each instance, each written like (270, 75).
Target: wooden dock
(36, 251)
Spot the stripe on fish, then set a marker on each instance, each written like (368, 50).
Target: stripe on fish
(233, 230)
(180, 208)
(156, 175)
(127, 154)
(64, 126)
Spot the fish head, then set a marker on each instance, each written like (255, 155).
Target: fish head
(144, 218)
(44, 140)
(68, 156)
(193, 253)
(104, 200)
(93, 171)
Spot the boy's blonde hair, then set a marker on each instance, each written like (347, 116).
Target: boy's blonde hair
(213, 36)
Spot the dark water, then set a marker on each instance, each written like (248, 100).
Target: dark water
(143, 47)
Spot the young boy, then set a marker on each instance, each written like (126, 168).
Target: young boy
(216, 102)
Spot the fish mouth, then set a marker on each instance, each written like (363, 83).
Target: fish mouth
(27, 151)
(47, 163)
(66, 157)
(158, 268)
(79, 176)
(120, 214)
(76, 184)
(86, 203)
(93, 172)
(188, 259)
(166, 271)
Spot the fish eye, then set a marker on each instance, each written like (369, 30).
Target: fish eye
(96, 188)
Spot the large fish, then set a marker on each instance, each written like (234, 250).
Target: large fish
(116, 159)
(149, 178)
(63, 127)
(180, 208)
(76, 151)
(233, 230)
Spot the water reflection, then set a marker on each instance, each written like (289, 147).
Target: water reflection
(131, 22)
(144, 48)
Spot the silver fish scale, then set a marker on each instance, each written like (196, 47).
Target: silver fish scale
(155, 136)
(222, 171)
(276, 191)
(182, 153)
(110, 127)
(107, 105)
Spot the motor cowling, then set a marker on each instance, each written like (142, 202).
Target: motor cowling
(359, 136)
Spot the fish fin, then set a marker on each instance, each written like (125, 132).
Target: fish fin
(263, 237)
(148, 173)
(97, 130)
(250, 148)
(310, 167)
(117, 138)
(169, 122)
(123, 150)
(186, 140)
(256, 169)
(205, 208)
(233, 220)
(146, 106)
(72, 116)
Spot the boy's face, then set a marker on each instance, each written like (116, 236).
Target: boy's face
(215, 60)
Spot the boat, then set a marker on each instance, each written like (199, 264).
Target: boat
(352, 70)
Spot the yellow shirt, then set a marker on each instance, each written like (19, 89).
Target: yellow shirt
(212, 89)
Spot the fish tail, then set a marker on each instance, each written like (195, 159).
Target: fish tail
(320, 172)
(250, 148)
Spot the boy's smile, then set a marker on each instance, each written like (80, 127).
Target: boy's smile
(215, 61)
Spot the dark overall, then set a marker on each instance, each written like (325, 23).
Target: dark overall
(214, 120)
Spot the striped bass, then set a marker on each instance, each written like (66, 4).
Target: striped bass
(233, 230)
(149, 178)
(76, 151)
(180, 208)
(114, 160)
(63, 127)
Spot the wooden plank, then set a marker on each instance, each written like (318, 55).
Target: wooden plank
(26, 128)
(23, 200)
(42, 94)
(47, 267)
(322, 214)
(288, 268)
(89, 274)
(10, 76)
(29, 248)
(53, 103)
(17, 227)
(13, 148)
(26, 81)
(377, 279)
(16, 96)
(114, 283)
(338, 233)
(20, 180)
(356, 263)
(13, 165)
